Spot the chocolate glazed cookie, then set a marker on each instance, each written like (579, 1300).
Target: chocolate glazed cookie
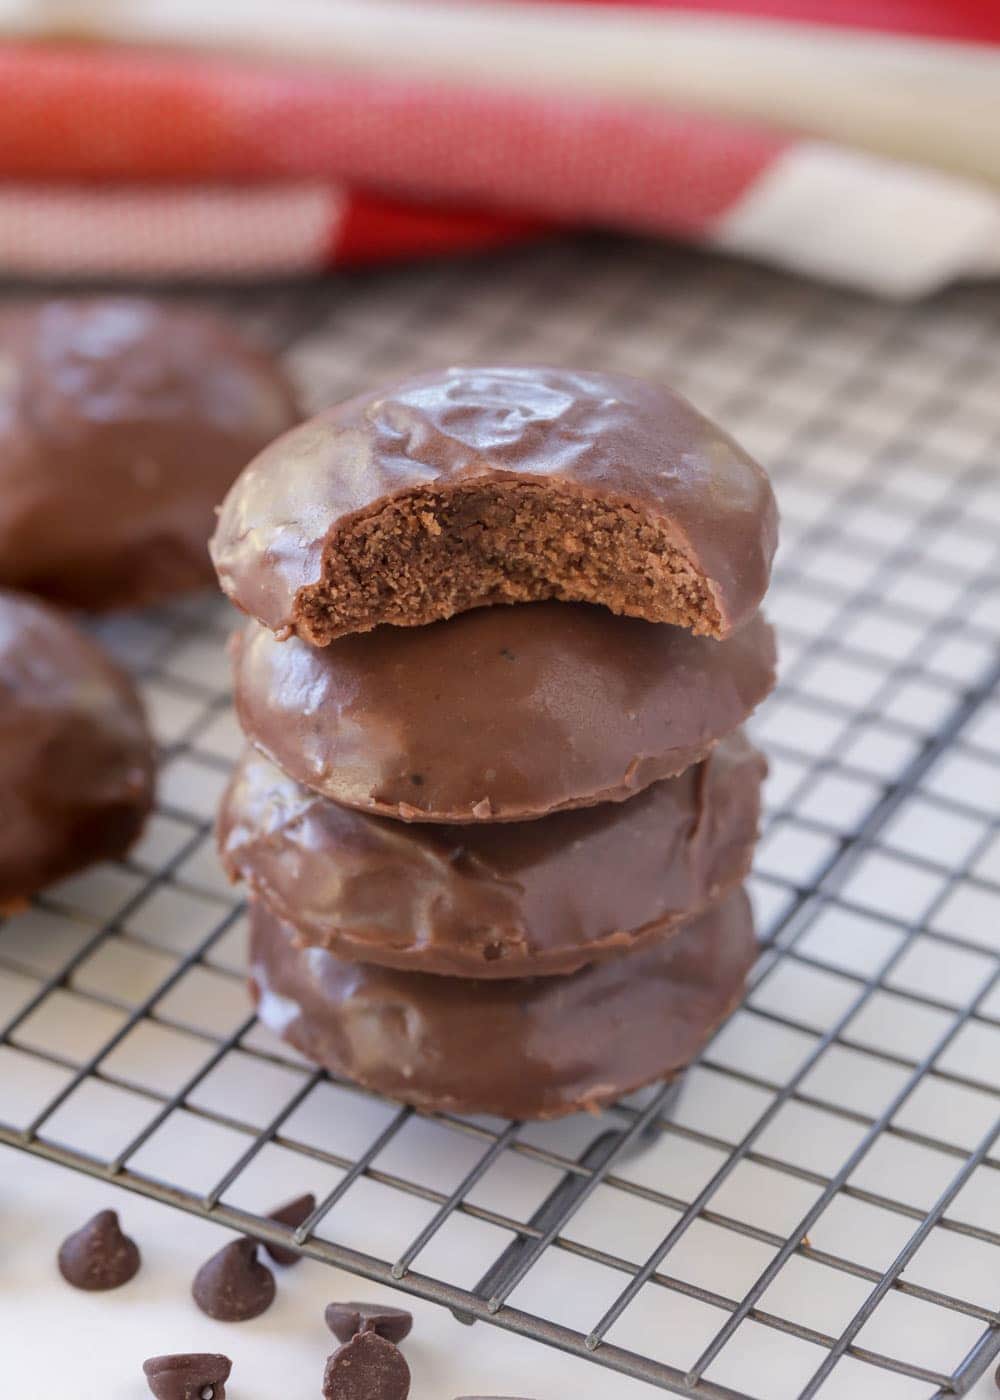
(502, 714)
(534, 1048)
(494, 900)
(499, 484)
(76, 756)
(122, 423)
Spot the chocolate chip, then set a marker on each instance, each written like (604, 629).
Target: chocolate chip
(345, 1319)
(198, 1375)
(98, 1255)
(293, 1214)
(366, 1368)
(417, 779)
(233, 1285)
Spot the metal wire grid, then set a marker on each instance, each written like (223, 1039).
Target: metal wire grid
(856, 1092)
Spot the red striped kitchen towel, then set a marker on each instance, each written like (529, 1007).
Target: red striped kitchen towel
(854, 142)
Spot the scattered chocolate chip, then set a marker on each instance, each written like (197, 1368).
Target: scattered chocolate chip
(293, 1214)
(417, 779)
(199, 1375)
(345, 1319)
(366, 1368)
(98, 1255)
(233, 1285)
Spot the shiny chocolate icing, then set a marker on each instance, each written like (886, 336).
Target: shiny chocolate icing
(76, 756)
(519, 1049)
(636, 446)
(494, 900)
(122, 423)
(501, 714)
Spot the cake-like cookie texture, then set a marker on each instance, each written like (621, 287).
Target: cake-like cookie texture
(494, 900)
(499, 484)
(502, 714)
(76, 756)
(535, 1048)
(123, 422)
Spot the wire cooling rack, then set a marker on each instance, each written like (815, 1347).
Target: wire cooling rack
(819, 1211)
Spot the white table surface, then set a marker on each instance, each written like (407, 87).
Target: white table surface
(61, 1344)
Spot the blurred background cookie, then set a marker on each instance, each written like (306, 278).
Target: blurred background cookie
(122, 423)
(76, 756)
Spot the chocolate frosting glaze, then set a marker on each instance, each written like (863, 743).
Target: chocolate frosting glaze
(494, 900)
(501, 714)
(122, 423)
(76, 757)
(604, 437)
(518, 1049)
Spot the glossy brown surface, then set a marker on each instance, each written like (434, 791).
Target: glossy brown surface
(501, 714)
(76, 757)
(346, 1319)
(367, 1367)
(234, 1286)
(99, 1256)
(496, 900)
(636, 447)
(293, 1213)
(188, 1376)
(519, 1049)
(122, 424)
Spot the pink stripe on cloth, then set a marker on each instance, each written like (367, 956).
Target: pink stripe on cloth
(109, 114)
(818, 209)
(229, 232)
(225, 232)
(605, 163)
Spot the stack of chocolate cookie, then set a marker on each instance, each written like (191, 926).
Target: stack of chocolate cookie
(496, 852)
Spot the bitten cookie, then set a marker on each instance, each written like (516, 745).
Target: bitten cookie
(122, 423)
(534, 1048)
(499, 900)
(76, 757)
(499, 484)
(502, 714)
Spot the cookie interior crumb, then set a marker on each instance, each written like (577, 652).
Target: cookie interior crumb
(427, 555)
